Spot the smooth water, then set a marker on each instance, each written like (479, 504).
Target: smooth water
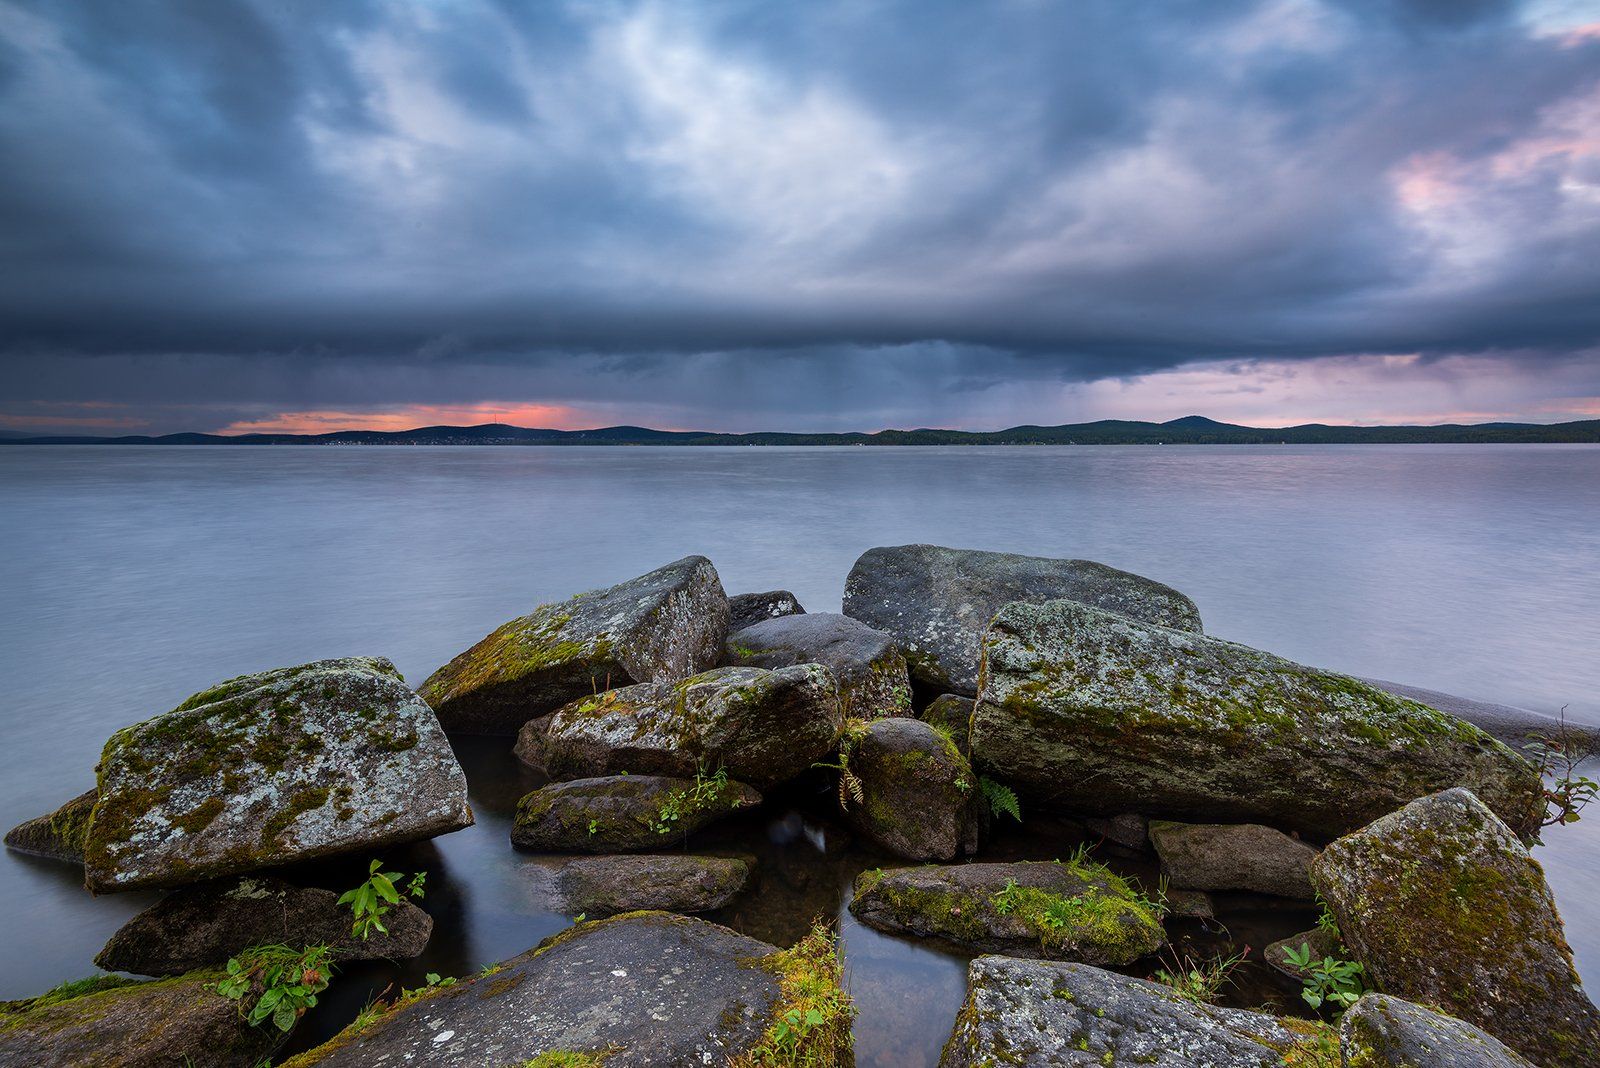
(134, 576)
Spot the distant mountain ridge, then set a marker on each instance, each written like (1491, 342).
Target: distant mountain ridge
(1189, 430)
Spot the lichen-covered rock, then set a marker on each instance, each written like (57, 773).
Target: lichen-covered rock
(667, 624)
(1099, 713)
(109, 1022)
(938, 601)
(868, 664)
(918, 793)
(202, 926)
(530, 741)
(748, 609)
(623, 813)
(1233, 856)
(1384, 1032)
(58, 835)
(332, 757)
(669, 882)
(1443, 905)
(1319, 941)
(1050, 1014)
(763, 727)
(1076, 910)
(951, 713)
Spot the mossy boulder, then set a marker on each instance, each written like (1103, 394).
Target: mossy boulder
(951, 714)
(1046, 1014)
(868, 664)
(664, 625)
(202, 926)
(1074, 910)
(763, 727)
(332, 757)
(1099, 713)
(939, 601)
(919, 796)
(748, 609)
(669, 882)
(1233, 856)
(623, 813)
(110, 1022)
(59, 835)
(1380, 1031)
(1443, 905)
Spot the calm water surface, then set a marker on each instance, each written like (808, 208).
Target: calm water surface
(133, 577)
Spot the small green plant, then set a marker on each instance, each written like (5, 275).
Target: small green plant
(1325, 920)
(371, 901)
(963, 784)
(1200, 981)
(1557, 755)
(706, 791)
(811, 1028)
(1331, 982)
(1007, 898)
(431, 981)
(594, 827)
(1002, 799)
(279, 983)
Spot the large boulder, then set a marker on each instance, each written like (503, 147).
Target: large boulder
(1073, 910)
(1380, 1031)
(664, 625)
(939, 601)
(202, 926)
(644, 988)
(1048, 1013)
(1443, 905)
(669, 882)
(868, 664)
(763, 727)
(332, 757)
(1233, 856)
(1099, 713)
(748, 609)
(622, 813)
(59, 835)
(107, 1022)
(918, 793)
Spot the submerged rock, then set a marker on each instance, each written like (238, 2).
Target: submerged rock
(951, 713)
(868, 664)
(1099, 713)
(109, 1022)
(938, 601)
(202, 926)
(918, 793)
(621, 813)
(763, 727)
(1443, 905)
(1075, 910)
(1233, 856)
(1048, 1013)
(60, 834)
(748, 609)
(332, 757)
(1380, 1031)
(670, 882)
(664, 625)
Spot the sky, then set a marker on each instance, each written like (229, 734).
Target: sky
(300, 215)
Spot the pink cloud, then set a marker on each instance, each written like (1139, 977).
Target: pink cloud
(325, 421)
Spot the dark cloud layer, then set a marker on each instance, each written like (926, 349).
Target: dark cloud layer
(787, 214)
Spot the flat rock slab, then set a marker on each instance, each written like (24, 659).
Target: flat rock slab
(748, 609)
(668, 882)
(938, 601)
(202, 926)
(764, 727)
(919, 795)
(1233, 856)
(59, 835)
(1384, 1032)
(1098, 713)
(868, 664)
(623, 813)
(667, 624)
(1444, 905)
(1049, 1013)
(1067, 911)
(333, 757)
(650, 988)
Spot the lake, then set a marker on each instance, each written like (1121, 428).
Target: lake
(135, 576)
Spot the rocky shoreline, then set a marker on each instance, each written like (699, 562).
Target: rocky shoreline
(959, 693)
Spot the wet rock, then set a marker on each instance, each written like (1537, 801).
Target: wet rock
(951, 713)
(868, 664)
(1048, 1013)
(1075, 910)
(109, 1022)
(332, 757)
(762, 726)
(918, 793)
(938, 601)
(202, 926)
(1443, 905)
(1099, 714)
(530, 741)
(1384, 1032)
(1233, 856)
(748, 609)
(1191, 905)
(60, 834)
(1322, 943)
(622, 813)
(674, 882)
(1127, 829)
(667, 624)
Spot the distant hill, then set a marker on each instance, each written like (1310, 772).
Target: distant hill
(1190, 430)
